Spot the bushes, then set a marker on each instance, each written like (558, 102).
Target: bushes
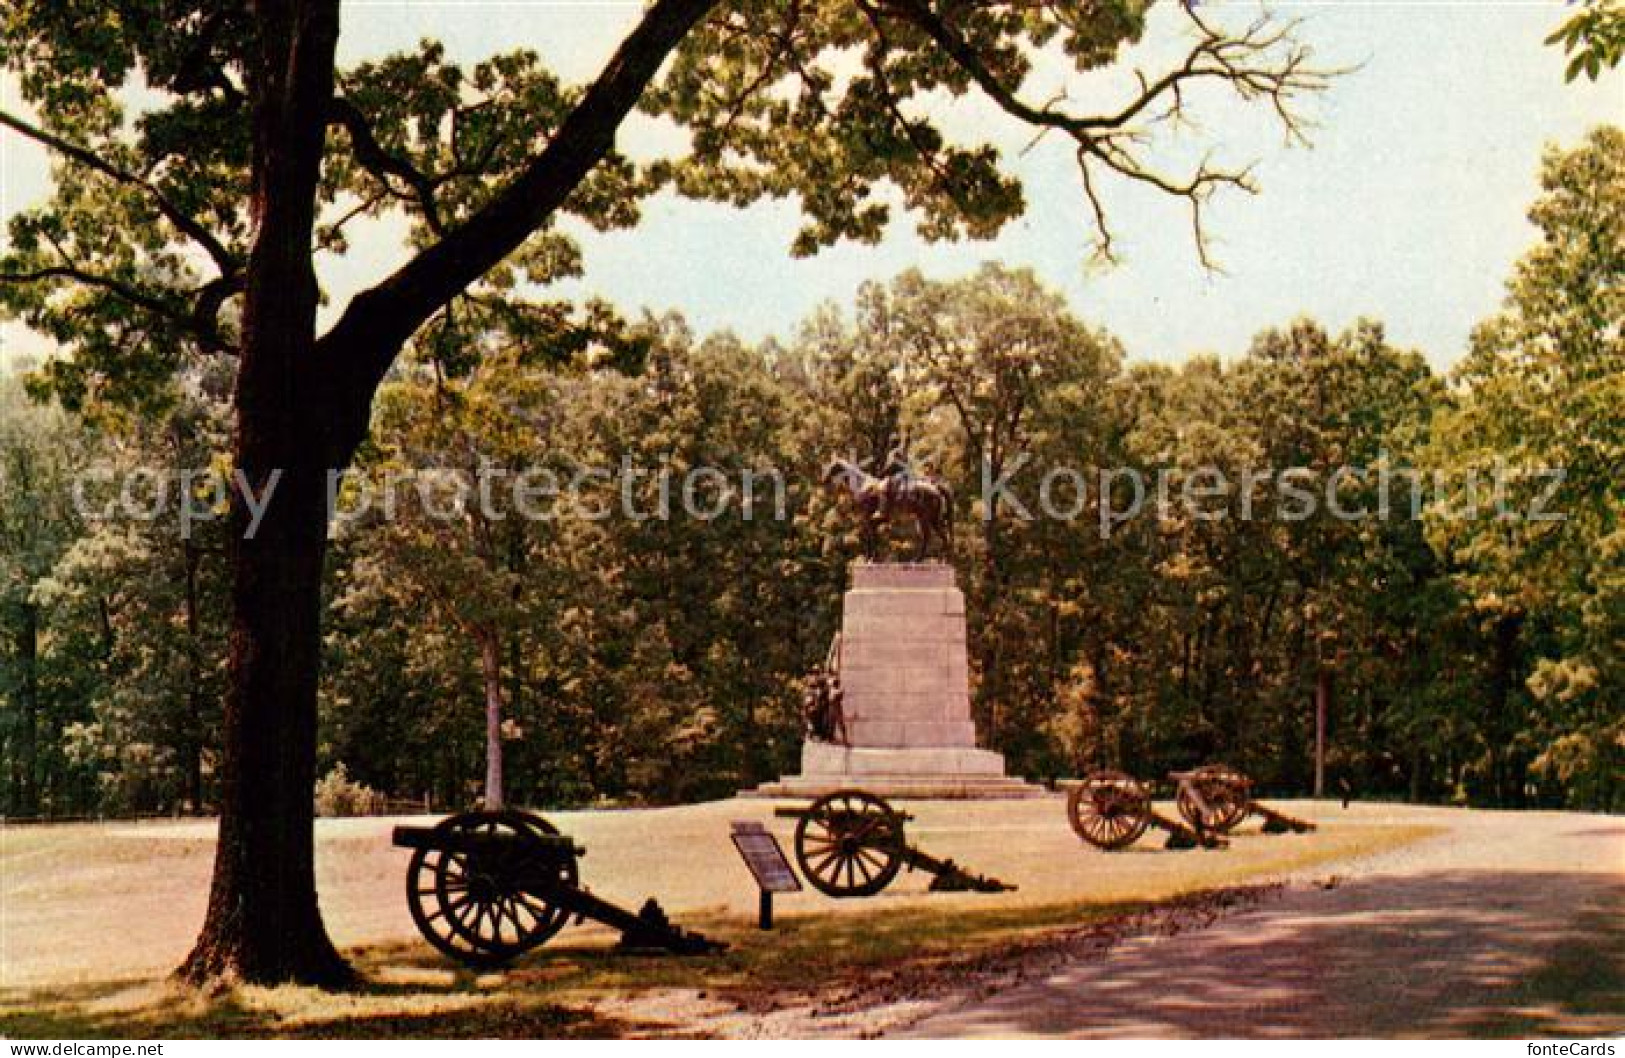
(338, 795)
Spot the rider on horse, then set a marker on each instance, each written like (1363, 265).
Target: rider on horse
(898, 490)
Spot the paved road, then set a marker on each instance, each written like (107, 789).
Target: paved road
(1508, 924)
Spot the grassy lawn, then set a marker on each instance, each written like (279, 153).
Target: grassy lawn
(822, 954)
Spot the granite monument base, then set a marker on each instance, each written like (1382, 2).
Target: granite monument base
(904, 672)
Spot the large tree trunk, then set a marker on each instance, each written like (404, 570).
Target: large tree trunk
(302, 410)
(263, 924)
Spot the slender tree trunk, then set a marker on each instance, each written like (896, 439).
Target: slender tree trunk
(1323, 703)
(263, 924)
(192, 750)
(491, 670)
(989, 690)
(1502, 724)
(27, 768)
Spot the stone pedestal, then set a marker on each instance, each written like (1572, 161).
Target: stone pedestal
(903, 668)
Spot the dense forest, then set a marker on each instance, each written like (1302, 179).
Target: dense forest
(1470, 653)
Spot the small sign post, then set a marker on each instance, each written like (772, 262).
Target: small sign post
(768, 865)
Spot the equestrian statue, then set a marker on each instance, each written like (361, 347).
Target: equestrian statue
(899, 491)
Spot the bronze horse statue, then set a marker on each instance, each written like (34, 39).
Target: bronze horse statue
(899, 492)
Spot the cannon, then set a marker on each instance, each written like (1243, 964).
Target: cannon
(851, 843)
(486, 887)
(1213, 797)
(1111, 810)
(1217, 797)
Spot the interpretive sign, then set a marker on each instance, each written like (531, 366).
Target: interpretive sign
(768, 865)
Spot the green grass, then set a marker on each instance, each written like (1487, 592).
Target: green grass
(409, 991)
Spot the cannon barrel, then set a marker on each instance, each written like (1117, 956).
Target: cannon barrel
(802, 812)
(436, 839)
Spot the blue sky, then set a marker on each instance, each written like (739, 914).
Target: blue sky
(1408, 208)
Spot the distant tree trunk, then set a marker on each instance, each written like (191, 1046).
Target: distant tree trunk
(263, 924)
(989, 690)
(192, 750)
(516, 697)
(1323, 704)
(491, 670)
(1501, 725)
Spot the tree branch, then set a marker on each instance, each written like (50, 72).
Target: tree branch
(121, 290)
(1238, 61)
(929, 155)
(378, 322)
(200, 322)
(383, 165)
(186, 224)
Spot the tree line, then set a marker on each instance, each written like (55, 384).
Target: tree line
(634, 658)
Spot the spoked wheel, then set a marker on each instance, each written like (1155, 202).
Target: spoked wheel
(1109, 810)
(850, 843)
(1227, 793)
(471, 904)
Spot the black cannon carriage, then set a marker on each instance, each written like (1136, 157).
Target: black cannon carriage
(486, 887)
(1111, 810)
(850, 843)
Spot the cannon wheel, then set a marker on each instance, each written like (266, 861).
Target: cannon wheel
(1227, 793)
(850, 843)
(469, 907)
(1109, 810)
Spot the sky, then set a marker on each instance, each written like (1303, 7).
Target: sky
(1409, 207)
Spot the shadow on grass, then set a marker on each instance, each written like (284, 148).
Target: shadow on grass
(231, 1017)
(1449, 953)
(408, 991)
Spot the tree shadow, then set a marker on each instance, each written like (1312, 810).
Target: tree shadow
(1452, 953)
(406, 989)
(163, 1010)
(1465, 953)
(232, 1018)
(400, 995)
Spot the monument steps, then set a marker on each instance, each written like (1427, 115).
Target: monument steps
(904, 787)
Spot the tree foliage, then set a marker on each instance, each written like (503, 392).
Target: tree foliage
(1593, 38)
(643, 658)
(1542, 389)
